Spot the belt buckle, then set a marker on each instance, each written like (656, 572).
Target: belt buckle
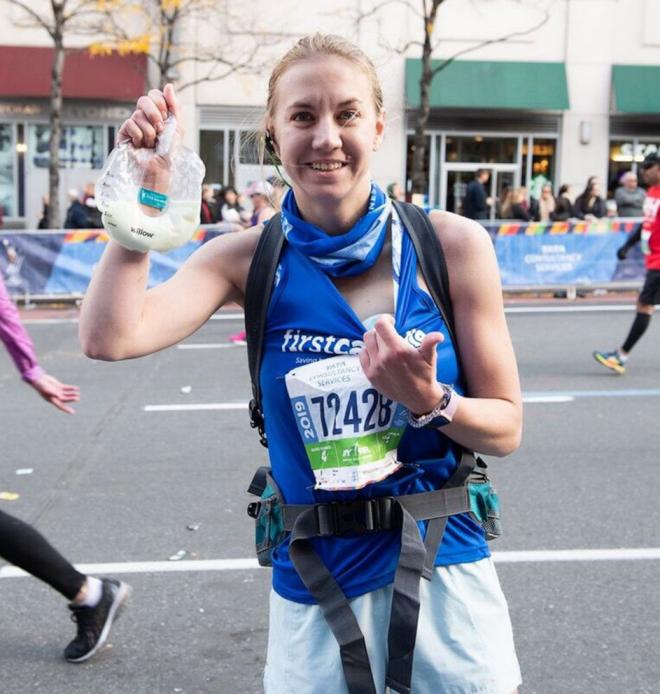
(360, 516)
(353, 516)
(340, 517)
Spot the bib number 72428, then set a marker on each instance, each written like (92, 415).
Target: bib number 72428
(360, 412)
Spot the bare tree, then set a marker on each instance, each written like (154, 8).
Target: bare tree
(427, 12)
(60, 21)
(219, 37)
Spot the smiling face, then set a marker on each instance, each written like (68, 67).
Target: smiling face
(325, 128)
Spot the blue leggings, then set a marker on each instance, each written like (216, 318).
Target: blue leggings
(23, 546)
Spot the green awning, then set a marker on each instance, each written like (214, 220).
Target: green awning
(492, 84)
(636, 88)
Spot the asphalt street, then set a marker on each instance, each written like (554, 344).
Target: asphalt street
(123, 485)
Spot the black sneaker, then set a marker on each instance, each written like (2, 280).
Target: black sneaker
(94, 622)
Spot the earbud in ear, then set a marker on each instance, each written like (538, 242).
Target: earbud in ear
(269, 143)
(269, 146)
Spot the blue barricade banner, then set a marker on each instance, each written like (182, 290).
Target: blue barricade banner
(62, 264)
(569, 259)
(533, 254)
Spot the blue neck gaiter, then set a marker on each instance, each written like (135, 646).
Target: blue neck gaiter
(344, 255)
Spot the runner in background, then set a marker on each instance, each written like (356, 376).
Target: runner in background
(649, 234)
(94, 602)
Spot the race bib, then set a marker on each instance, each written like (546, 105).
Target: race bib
(350, 431)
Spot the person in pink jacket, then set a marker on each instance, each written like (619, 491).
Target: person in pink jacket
(94, 602)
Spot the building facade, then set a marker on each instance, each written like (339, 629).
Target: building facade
(551, 90)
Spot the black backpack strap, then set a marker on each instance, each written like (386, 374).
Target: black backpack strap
(431, 259)
(258, 290)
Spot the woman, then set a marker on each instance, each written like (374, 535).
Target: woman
(261, 193)
(324, 119)
(589, 204)
(504, 203)
(520, 205)
(546, 206)
(208, 211)
(231, 209)
(94, 602)
(563, 205)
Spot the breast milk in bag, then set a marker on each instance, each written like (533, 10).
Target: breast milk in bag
(151, 198)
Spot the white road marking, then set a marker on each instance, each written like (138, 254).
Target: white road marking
(63, 321)
(197, 406)
(547, 398)
(208, 345)
(598, 308)
(578, 555)
(141, 567)
(48, 321)
(533, 556)
(566, 395)
(537, 397)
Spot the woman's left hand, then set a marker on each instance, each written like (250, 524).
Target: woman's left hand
(400, 371)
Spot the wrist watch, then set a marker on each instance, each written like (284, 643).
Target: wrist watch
(440, 415)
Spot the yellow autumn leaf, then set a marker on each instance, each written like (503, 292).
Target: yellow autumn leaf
(100, 49)
(168, 5)
(139, 44)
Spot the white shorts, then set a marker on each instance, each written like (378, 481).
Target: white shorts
(464, 638)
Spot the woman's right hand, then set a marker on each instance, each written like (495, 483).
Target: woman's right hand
(147, 121)
(56, 393)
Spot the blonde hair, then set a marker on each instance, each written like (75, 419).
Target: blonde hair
(322, 44)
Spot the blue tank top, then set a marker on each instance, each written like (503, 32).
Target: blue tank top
(309, 319)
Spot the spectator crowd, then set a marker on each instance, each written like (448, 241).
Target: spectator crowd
(260, 200)
(220, 205)
(517, 203)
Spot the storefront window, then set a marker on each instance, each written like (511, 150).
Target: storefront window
(212, 153)
(6, 170)
(481, 150)
(542, 164)
(81, 146)
(626, 155)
